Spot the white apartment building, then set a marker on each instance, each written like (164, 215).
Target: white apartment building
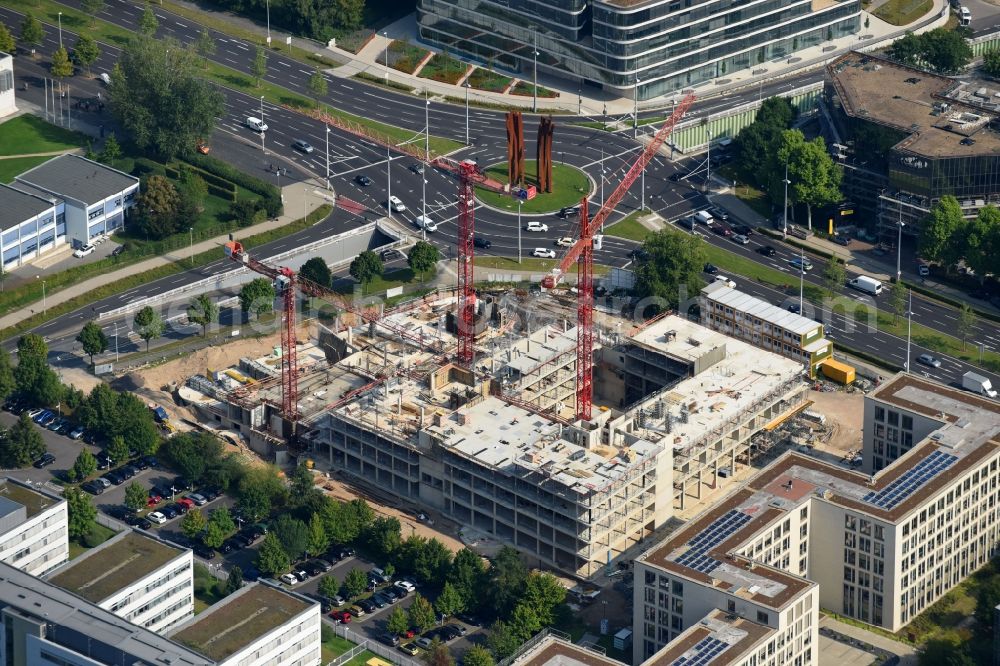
(258, 625)
(8, 103)
(34, 529)
(878, 547)
(140, 578)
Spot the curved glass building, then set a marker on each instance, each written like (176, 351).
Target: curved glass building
(648, 47)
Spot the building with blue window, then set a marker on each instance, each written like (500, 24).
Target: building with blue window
(30, 225)
(90, 200)
(8, 103)
(643, 48)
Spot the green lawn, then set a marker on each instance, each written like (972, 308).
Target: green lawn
(483, 79)
(403, 56)
(15, 166)
(395, 278)
(629, 227)
(903, 12)
(529, 263)
(570, 185)
(524, 88)
(27, 134)
(443, 67)
(749, 194)
(97, 536)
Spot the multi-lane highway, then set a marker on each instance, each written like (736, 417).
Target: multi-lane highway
(599, 154)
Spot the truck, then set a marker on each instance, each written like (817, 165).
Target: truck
(866, 284)
(978, 384)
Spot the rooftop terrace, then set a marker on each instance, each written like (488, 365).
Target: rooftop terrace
(555, 651)
(114, 565)
(239, 620)
(717, 639)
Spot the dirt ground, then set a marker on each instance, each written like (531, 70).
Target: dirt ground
(844, 414)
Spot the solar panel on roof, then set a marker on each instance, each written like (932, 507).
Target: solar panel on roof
(705, 651)
(911, 480)
(711, 536)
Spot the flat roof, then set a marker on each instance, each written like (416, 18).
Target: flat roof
(36, 598)
(240, 619)
(735, 636)
(18, 206)
(114, 565)
(34, 500)
(540, 347)
(697, 406)
(556, 651)
(78, 178)
(737, 300)
(908, 99)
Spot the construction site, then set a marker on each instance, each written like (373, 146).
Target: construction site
(524, 415)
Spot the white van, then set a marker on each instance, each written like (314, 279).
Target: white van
(256, 124)
(964, 16)
(867, 285)
(703, 217)
(425, 223)
(104, 77)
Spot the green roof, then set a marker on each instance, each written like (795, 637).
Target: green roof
(34, 501)
(239, 619)
(114, 565)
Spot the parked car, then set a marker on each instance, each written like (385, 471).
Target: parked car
(211, 493)
(711, 269)
(157, 517)
(312, 568)
(289, 579)
(726, 281)
(84, 250)
(367, 606)
(379, 600)
(115, 477)
(424, 642)
(204, 552)
(92, 487)
(301, 575)
(393, 594)
(169, 511)
(389, 639)
(198, 499)
(410, 649)
(341, 616)
(180, 483)
(456, 629)
(923, 270)
(180, 507)
(405, 585)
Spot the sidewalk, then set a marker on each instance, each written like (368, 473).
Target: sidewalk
(298, 197)
(907, 655)
(853, 262)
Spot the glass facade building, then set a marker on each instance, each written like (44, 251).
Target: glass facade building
(647, 48)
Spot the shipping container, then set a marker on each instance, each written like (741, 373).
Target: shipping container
(837, 371)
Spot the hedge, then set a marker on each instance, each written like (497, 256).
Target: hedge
(380, 80)
(270, 193)
(792, 241)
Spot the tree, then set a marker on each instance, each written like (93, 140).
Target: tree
(22, 445)
(318, 85)
(467, 575)
(148, 23)
(897, 302)
(148, 324)
(93, 340)
(193, 523)
(111, 151)
(7, 43)
(671, 266)
(160, 97)
(7, 383)
(940, 50)
(355, 583)
(542, 594)
(317, 271)
(438, 654)
(118, 449)
(834, 276)
(477, 655)
(815, 177)
(293, 535)
(193, 190)
(508, 577)
(34, 377)
(318, 541)
(384, 536)
(450, 601)
(398, 622)
(235, 579)
(423, 257)
(982, 241)
(421, 614)
(92, 8)
(259, 68)
(991, 62)
(192, 453)
(939, 229)
(62, 66)
(432, 562)
(83, 466)
(257, 297)
(524, 622)
(966, 322)
(944, 651)
(32, 32)
(366, 267)
(205, 45)
(159, 205)
(213, 537)
(203, 311)
(81, 513)
(86, 52)
(222, 519)
(135, 496)
(502, 641)
(328, 586)
(272, 558)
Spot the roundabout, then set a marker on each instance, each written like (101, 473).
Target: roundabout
(570, 185)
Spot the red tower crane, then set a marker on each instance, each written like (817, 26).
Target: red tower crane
(465, 321)
(582, 252)
(289, 282)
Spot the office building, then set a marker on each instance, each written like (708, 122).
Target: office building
(8, 103)
(34, 225)
(92, 199)
(140, 578)
(763, 325)
(258, 625)
(879, 548)
(34, 528)
(647, 48)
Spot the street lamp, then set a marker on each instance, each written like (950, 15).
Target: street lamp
(534, 58)
(267, 8)
(899, 241)
(388, 181)
(519, 202)
(44, 308)
(909, 322)
(466, 85)
(708, 162)
(262, 125)
(579, 100)
(635, 109)
(328, 157)
(385, 34)
(191, 246)
(784, 227)
(116, 341)
(802, 272)
(427, 160)
(60, 30)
